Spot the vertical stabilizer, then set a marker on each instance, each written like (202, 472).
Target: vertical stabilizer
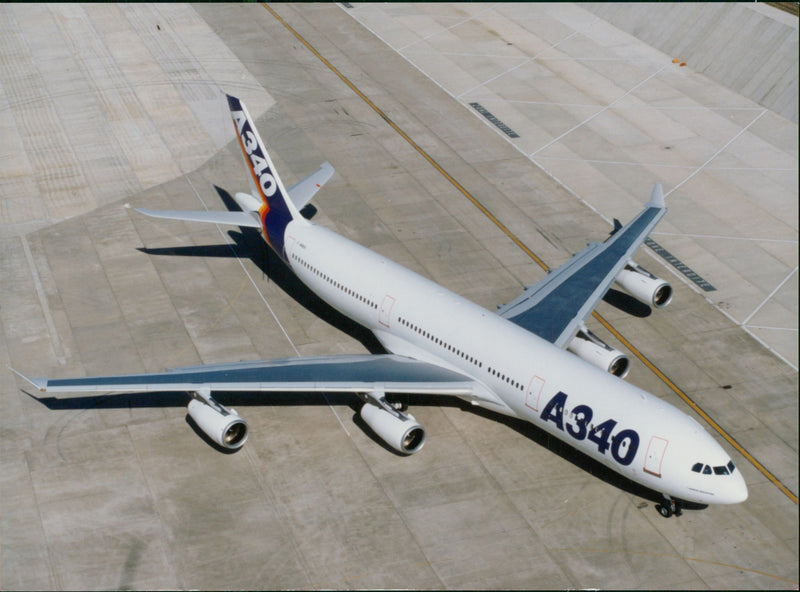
(276, 209)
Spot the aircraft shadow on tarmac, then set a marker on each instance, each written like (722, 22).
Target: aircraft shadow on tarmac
(249, 244)
(627, 303)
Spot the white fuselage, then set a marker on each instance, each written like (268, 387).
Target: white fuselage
(519, 374)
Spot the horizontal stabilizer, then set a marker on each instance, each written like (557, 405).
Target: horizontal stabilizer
(301, 192)
(234, 218)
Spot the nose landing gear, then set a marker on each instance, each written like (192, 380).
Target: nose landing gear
(670, 507)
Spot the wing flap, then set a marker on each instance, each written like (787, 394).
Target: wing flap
(234, 218)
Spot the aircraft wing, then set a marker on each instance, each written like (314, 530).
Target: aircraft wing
(557, 306)
(234, 218)
(342, 373)
(302, 191)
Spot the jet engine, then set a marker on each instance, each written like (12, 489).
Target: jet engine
(222, 425)
(644, 286)
(590, 348)
(400, 431)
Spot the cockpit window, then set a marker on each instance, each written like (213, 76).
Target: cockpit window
(720, 470)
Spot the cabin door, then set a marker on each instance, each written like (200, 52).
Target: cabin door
(533, 393)
(386, 310)
(655, 455)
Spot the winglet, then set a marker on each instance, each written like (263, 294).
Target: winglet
(657, 197)
(39, 383)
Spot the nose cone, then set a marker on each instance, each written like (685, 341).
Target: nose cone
(735, 490)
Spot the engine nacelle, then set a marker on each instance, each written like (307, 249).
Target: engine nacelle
(644, 286)
(222, 425)
(402, 432)
(592, 349)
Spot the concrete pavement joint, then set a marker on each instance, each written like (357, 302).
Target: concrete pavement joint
(509, 70)
(771, 294)
(665, 165)
(458, 24)
(717, 153)
(601, 111)
(722, 237)
(626, 107)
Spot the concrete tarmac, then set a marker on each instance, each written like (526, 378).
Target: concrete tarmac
(110, 106)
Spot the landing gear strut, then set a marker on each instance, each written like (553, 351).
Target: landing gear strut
(669, 507)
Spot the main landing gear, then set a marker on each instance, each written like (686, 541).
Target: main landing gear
(669, 507)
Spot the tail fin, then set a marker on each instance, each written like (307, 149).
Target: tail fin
(276, 209)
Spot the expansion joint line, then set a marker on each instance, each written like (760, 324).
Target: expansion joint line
(768, 298)
(791, 495)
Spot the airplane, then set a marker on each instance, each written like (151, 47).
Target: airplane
(533, 359)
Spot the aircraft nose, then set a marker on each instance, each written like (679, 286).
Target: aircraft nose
(735, 490)
(740, 488)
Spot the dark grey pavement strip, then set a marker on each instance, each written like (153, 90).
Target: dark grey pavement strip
(482, 110)
(679, 265)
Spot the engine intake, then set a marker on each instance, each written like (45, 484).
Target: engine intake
(400, 431)
(590, 348)
(222, 425)
(644, 286)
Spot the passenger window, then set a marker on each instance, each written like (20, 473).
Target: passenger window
(697, 467)
(706, 470)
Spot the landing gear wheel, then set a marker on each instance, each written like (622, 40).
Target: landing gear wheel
(670, 507)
